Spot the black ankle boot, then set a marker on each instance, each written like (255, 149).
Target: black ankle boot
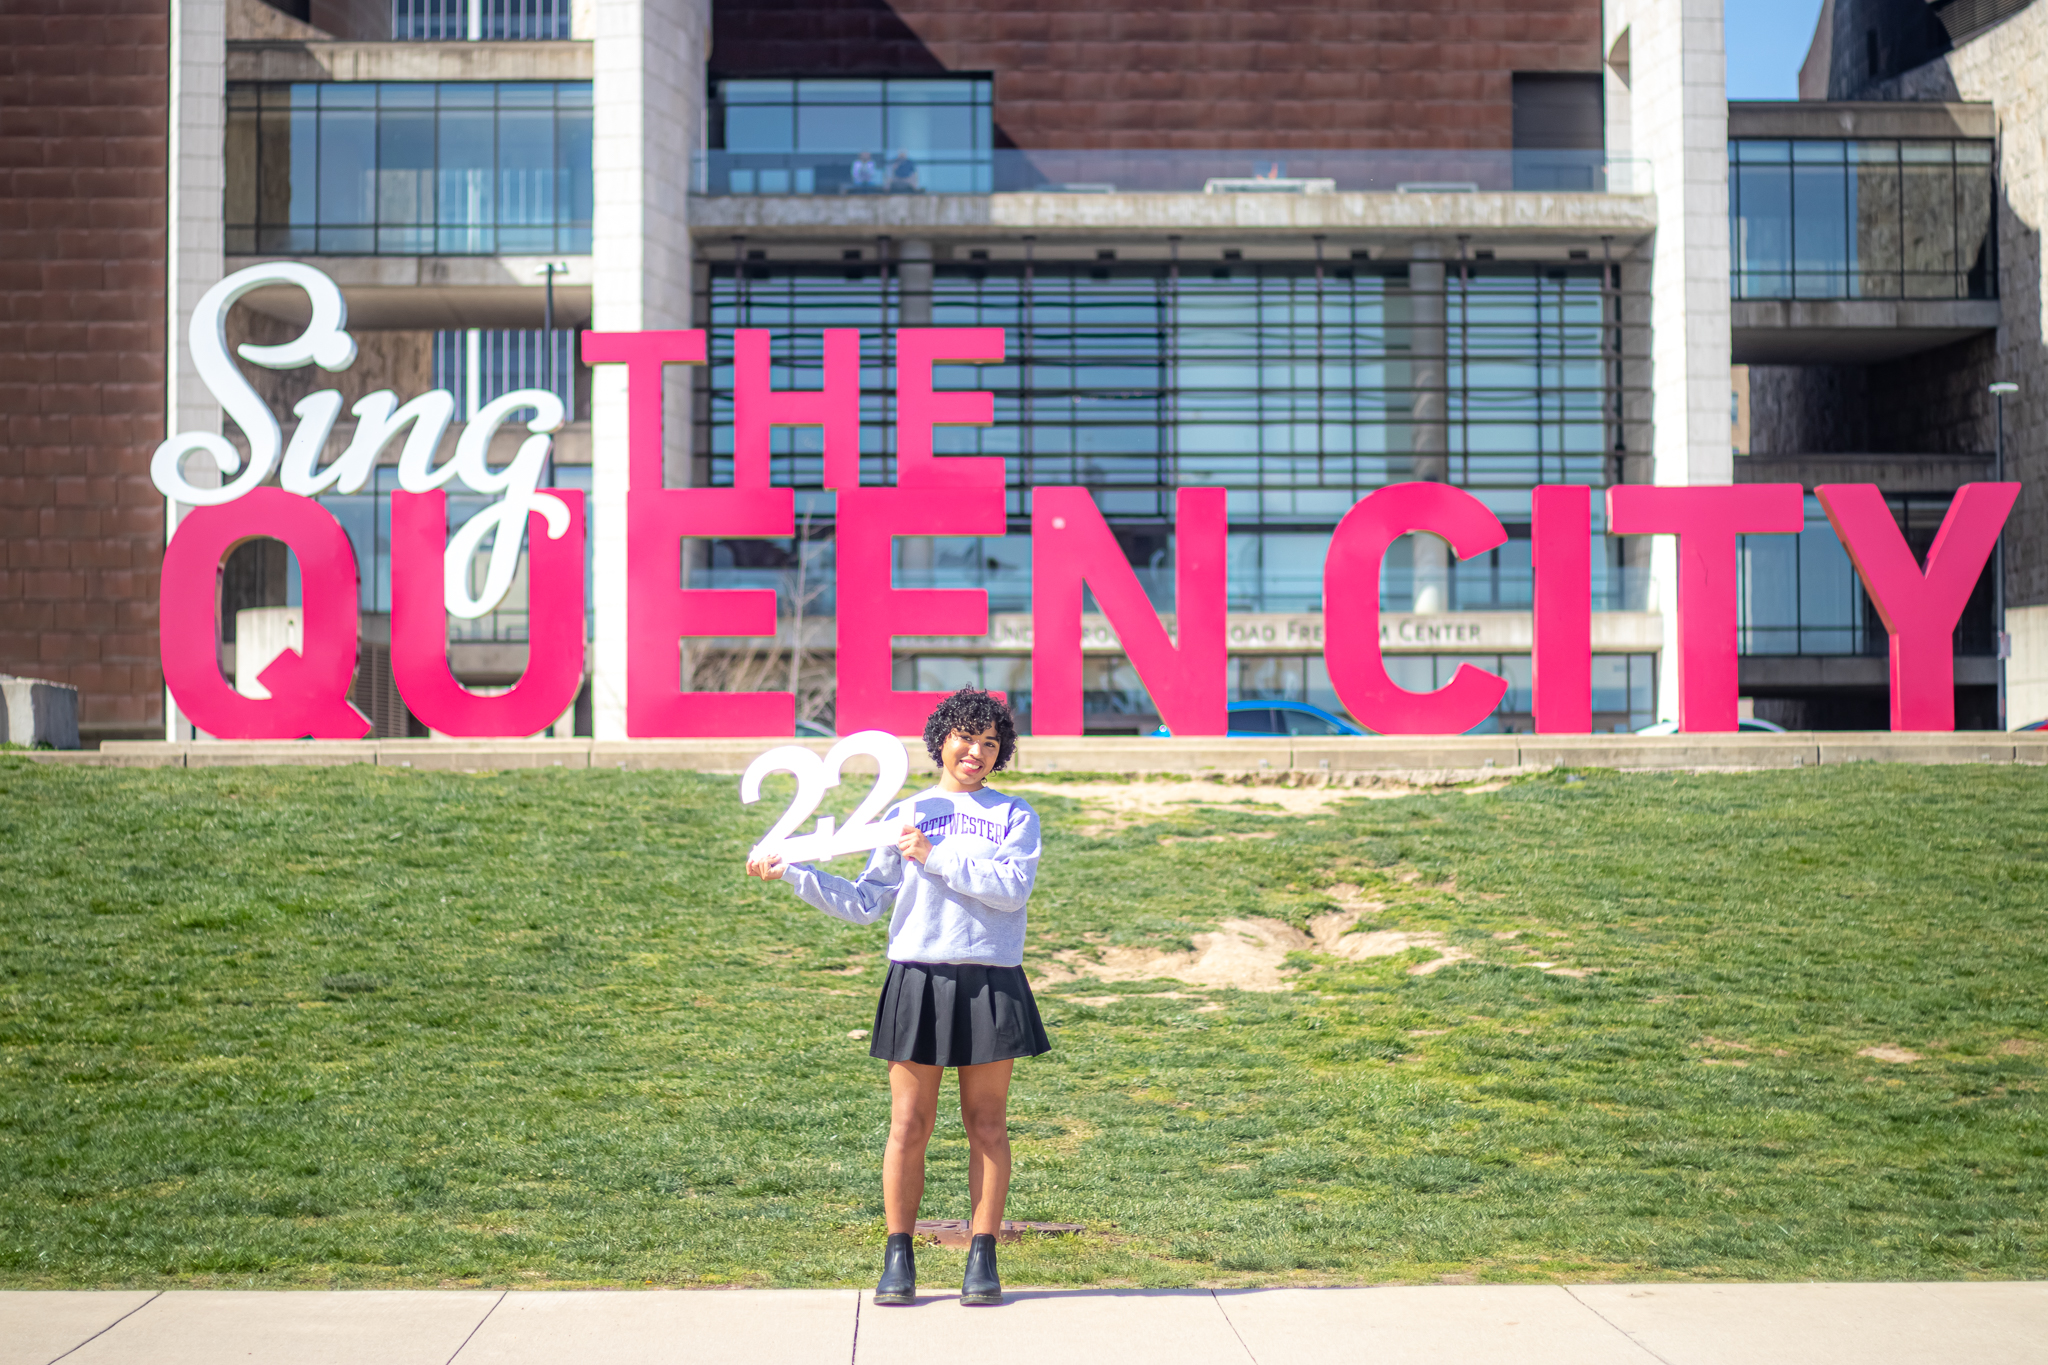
(981, 1287)
(899, 1272)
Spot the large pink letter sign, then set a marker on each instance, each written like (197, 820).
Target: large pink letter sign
(659, 610)
(1561, 558)
(1920, 610)
(1351, 609)
(419, 622)
(1070, 544)
(1706, 519)
(872, 613)
(308, 687)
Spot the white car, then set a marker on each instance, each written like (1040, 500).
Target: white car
(1751, 725)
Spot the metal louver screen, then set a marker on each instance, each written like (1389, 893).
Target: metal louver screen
(375, 694)
(494, 20)
(1964, 19)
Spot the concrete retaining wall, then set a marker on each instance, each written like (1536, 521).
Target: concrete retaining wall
(1313, 757)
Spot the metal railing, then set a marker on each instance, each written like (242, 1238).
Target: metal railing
(1089, 171)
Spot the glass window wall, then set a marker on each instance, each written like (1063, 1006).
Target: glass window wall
(1298, 389)
(1884, 219)
(409, 169)
(1801, 594)
(881, 136)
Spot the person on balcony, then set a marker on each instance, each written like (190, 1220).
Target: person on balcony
(866, 175)
(903, 174)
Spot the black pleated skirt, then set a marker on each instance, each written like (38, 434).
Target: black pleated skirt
(956, 1014)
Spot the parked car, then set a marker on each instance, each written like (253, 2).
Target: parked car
(1269, 718)
(1751, 725)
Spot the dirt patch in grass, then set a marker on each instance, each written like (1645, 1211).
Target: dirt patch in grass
(1244, 953)
(1248, 954)
(1888, 1053)
(1139, 799)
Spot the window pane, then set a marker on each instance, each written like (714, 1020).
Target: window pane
(348, 166)
(1763, 231)
(1819, 217)
(769, 129)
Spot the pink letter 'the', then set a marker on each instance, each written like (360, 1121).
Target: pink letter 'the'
(756, 407)
(1070, 543)
(871, 612)
(1351, 609)
(419, 624)
(1706, 518)
(919, 408)
(1920, 610)
(308, 687)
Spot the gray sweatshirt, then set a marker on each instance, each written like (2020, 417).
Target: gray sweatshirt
(966, 903)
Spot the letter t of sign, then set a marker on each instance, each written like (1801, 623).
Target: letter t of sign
(1706, 519)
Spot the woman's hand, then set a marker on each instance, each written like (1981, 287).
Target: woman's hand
(912, 844)
(768, 869)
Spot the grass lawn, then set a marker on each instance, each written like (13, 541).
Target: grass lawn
(359, 1026)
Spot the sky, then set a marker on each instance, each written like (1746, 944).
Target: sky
(1767, 40)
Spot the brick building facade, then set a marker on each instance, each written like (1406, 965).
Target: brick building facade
(1323, 74)
(84, 87)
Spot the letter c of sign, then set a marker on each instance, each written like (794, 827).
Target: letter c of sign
(324, 343)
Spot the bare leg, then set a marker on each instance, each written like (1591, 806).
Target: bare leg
(913, 1109)
(985, 1113)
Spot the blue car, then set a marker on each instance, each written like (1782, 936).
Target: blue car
(1265, 719)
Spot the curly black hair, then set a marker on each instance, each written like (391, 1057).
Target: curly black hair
(970, 711)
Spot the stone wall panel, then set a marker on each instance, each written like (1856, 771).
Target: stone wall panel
(1091, 75)
(82, 238)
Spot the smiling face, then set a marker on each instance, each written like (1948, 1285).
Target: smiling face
(968, 759)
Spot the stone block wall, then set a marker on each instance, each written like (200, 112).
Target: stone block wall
(2008, 66)
(1933, 403)
(1325, 73)
(83, 87)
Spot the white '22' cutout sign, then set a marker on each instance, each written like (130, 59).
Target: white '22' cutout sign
(813, 776)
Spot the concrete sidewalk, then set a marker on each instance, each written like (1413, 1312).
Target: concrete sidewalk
(1660, 1324)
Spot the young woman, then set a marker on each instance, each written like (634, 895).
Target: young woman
(955, 885)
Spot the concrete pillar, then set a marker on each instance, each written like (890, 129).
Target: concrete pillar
(194, 259)
(648, 124)
(1677, 122)
(914, 283)
(1430, 410)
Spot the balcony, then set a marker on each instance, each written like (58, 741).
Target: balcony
(1859, 250)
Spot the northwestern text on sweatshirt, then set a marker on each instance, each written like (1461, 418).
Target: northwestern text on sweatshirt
(966, 903)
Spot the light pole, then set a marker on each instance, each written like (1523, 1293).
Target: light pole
(549, 269)
(2001, 642)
